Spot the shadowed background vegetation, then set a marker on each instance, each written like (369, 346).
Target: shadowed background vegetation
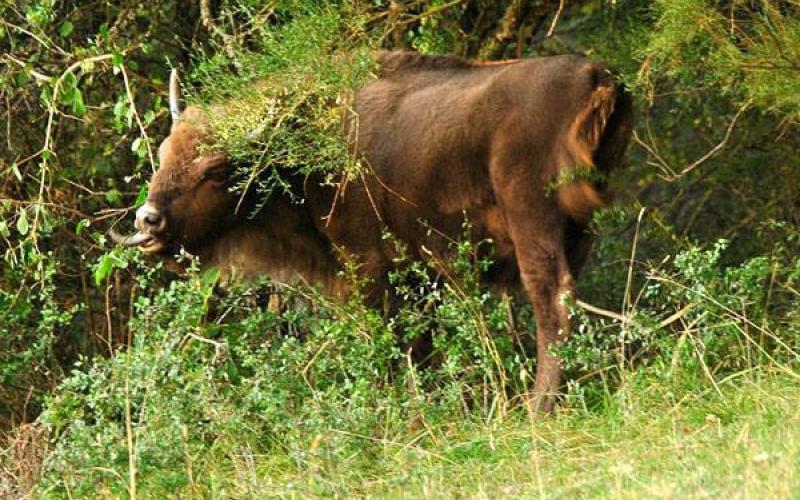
(118, 377)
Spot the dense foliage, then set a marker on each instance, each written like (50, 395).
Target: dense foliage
(143, 379)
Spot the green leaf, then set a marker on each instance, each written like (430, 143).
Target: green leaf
(116, 258)
(81, 225)
(78, 107)
(141, 197)
(4, 232)
(103, 269)
(66, 29)
(87, 66)
(22, 223)
(210, 277)
(207, 282)
(119, 108)
(113, 196)
(48, 222)
(139, 147)
(117, 60)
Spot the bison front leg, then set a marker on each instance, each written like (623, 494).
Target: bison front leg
(547, 278)
(537, 231)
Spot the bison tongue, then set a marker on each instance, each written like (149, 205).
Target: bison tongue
(129, 241)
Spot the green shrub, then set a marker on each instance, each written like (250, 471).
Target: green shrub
(693, 315)
(207, 377)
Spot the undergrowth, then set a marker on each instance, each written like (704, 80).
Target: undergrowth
(220, 393)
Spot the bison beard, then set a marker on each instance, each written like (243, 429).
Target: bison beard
(520, 147)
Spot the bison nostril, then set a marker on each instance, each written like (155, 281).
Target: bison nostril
(149, 219)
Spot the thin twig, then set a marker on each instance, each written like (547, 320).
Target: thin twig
(555, 19)
(652, 151)
(46, 43)
(37, 75)
(713, 150)
(142, 129)
(602, 312)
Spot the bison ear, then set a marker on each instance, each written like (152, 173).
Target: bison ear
(175, 104)
(215, 168)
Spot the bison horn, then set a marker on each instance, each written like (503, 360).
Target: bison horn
(129, 241)
(174, 95)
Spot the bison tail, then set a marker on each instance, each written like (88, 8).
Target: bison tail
(598, 138)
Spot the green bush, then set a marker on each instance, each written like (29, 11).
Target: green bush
(209, 376)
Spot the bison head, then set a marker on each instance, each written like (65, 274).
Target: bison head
(189, 200)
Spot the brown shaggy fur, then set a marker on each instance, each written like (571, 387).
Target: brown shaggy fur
(442, 138)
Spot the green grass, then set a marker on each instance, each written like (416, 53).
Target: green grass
(667, 441)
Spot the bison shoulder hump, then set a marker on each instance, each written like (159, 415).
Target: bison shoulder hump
(396, 61)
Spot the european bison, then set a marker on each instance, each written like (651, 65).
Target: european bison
(520, 147)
